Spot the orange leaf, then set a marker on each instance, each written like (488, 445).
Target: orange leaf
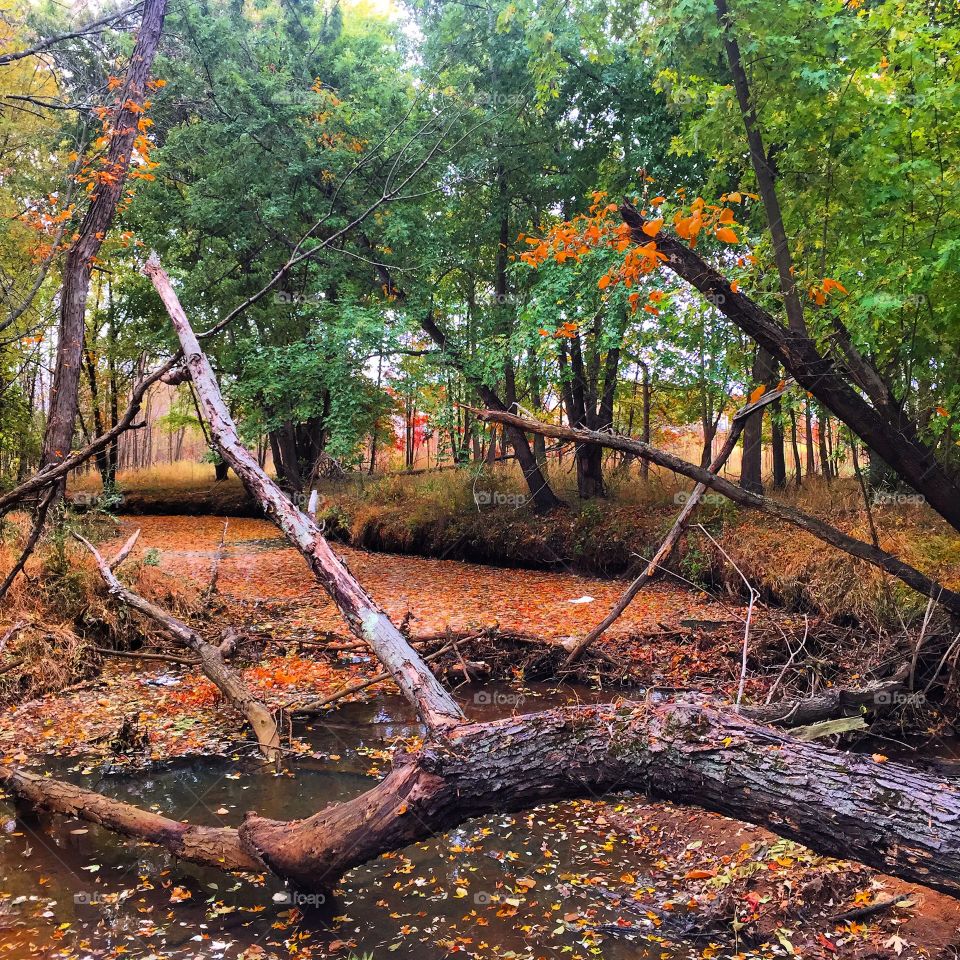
(727, 235)
(652, 227)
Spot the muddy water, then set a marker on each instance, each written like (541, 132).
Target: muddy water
(537, 884)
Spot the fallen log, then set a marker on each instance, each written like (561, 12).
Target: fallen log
(364, 617)
(819, 528)
(214, 846)
(211, 661)
(838, 702)
(885, 815)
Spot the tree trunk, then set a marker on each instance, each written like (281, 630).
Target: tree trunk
(366, 619)
(822, 428)
(844, 805)
(777, 443)
(797, 463)
(751, 468)
(96, 222)
(808, 426)
(885, 429)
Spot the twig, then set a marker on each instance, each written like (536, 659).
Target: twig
(138, 655)
(754, 596)
(859, 913)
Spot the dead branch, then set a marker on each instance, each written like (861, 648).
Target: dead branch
(364, 617)
(818, 528)
(666, 548)
(230, 683)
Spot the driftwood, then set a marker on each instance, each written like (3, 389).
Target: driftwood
(147, 655)
(666, 548)
(804, 521)
(227, 680)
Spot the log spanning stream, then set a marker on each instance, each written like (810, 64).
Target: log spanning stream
(501, 884)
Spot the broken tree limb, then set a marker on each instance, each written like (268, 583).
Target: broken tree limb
(890, 817)
(54, 473)
(214, 846)
(365, 618)
(819, 528)
(666, 548)
(146, 655)
(839, 702)
(227, 681)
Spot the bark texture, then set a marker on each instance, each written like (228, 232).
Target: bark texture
(885, 815)
(77, 269)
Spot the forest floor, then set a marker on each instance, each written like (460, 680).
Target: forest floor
(463, 515)
(617, 879)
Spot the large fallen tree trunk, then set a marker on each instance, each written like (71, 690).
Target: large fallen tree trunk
(823, 531)
(364, 617)
(883, 814)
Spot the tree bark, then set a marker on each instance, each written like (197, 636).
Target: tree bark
(96, 222)
(823, 531)
(894, 437)
(886, 815)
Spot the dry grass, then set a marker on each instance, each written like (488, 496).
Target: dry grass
(181, 475)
